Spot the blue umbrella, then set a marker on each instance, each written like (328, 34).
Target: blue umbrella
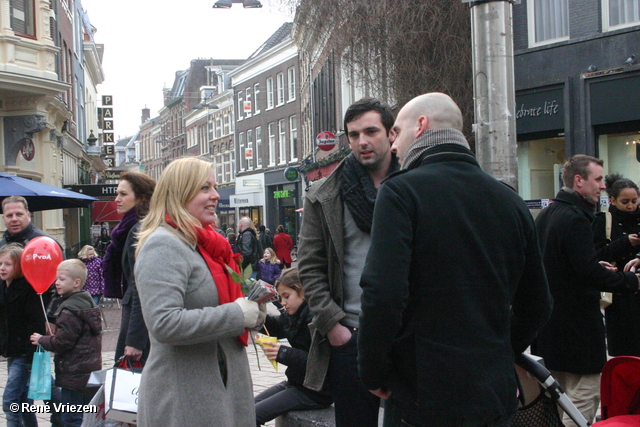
(42, 197)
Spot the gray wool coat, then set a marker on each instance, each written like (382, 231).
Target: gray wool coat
(192, 336)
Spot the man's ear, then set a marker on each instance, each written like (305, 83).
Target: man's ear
(577, 181)
(422, 125)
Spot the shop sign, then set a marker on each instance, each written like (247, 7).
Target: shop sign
(326, 141)
(291, 173)
(27, 148)
(283, 194)
(541, 110)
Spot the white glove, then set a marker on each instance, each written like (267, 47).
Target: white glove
(250, 310)
(262, 315)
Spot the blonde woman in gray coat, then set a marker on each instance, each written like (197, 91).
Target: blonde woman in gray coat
(197, 373)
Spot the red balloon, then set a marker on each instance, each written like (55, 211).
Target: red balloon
(40, 261)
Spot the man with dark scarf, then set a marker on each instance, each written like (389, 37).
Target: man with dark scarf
(334, 240)
(572, 343)
(453, 284)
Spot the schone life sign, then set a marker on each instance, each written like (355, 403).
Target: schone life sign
(326, 141)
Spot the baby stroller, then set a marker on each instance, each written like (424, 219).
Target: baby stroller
(620, 392)
(539, 401)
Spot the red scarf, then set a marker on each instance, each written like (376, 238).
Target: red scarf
(217, 253)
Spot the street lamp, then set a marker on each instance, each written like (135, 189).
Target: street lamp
(247, 4)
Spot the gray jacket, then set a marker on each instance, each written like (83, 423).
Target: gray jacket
(192, 337)
(320, 268)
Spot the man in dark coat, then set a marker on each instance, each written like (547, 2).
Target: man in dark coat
(17, 220)
(572, 343)
(453, 284)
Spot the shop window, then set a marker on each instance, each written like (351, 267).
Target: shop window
(620, 13)
(23, 18)
(548, 21)
(621, 154)
(539, 165)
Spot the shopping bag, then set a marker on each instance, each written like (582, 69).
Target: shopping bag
(97, 419)
(121, 395)
(40, 380)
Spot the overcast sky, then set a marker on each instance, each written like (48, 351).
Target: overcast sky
(146, 42)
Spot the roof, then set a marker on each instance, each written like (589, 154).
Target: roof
(281, 34)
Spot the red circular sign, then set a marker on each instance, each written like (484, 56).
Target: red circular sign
(28, 150)
(326, 141)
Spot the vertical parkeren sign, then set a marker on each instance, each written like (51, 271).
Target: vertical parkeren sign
(105, 115)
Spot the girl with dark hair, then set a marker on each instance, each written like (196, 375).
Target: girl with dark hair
(289, 395)
(132, 200)
(617, 241)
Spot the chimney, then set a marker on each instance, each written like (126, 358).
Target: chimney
(146, 115)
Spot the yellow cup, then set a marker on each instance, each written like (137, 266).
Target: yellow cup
(261, 339)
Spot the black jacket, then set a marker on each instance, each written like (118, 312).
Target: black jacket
(296, 330)
(20, 316)
(452, 286)
(574, 338)
(77, 343)
(623, 315)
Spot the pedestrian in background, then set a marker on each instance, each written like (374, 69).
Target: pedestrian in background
(20, 315)
(444, 303)
(197, 373)
(248, 245)
(615, 234)
(572, 343)
(269, 267)
(95, 282)
(283, 245)
(265, 239)
(132, 200)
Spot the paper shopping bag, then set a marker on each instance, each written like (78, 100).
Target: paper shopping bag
(40, 380)
(121, 395)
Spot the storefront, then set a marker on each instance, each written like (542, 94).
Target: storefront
(226, 213)
(283, 198)
(248, 199)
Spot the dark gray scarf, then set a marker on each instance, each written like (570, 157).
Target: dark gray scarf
(431, 138)
(359, 192)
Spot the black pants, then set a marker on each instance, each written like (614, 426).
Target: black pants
(355, 405)
(280, 399)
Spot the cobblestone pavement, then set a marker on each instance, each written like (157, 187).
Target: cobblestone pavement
(262, 378)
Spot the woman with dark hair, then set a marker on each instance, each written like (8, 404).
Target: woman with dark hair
(616, 236)
(132, 199)
(283, 244)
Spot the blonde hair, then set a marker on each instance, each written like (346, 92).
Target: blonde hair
(178, 184)
(75, 268)
(274, 258)
(83, 252)
(14, 250)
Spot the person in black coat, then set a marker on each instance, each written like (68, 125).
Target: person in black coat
(289, 395)
(453, 284)
(618, 243)
(572, 343)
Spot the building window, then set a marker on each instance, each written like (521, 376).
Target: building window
(258, 152)
(248, 99)
(293, 137)
(548, 21)
(23, 18)
(269, 93)
(241, 151)
(227, 166)
(219, 168)
(250, 149)
(280, 85)
(291, 80)
(240, 106)
(272, 144)
(256, 91)
(282, 141)
(226, 120)
(620, 13)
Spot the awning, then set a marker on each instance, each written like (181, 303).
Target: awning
(322, 171)
(105, 211)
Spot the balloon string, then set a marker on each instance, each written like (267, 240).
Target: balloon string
(44, 310)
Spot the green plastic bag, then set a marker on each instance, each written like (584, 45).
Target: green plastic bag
(40, 380)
